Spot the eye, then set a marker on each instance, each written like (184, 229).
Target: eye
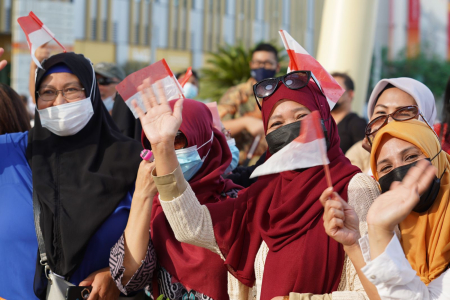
(48, 92)
(412, 157)
(301, 116)
(277, 123)
(380, 113)
(385, 168)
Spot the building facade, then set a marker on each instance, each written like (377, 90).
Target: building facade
(183, 32)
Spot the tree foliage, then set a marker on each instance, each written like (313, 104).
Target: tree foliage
(227, 67)
(432, 70)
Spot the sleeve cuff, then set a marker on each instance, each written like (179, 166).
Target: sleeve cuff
(391, 267)
(170, 186)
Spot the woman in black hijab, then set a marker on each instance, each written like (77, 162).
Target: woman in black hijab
(84, 172)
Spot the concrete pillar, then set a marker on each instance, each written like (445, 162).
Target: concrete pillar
(99, 33)
(346, 42)
(109, 22)
(132, 24)
(88, 18)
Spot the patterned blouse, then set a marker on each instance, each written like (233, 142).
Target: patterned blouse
(142, 278)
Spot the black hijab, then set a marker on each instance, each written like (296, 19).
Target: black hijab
(79, 180)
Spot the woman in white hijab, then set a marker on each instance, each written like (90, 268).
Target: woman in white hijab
(387, 96)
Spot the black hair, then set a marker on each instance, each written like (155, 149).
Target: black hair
(446, 113)
(179, 74)
(348, 82)
(267, 48)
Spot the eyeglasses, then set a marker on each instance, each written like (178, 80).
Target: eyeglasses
(294, 81)
(105, 81)
(404, 113)
(69, 93)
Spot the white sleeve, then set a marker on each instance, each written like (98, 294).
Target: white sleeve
(394, 277)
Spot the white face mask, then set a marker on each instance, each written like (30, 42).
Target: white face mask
(67, 119)
(109, 103)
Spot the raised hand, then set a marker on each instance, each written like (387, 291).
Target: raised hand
(3, 63)
(160, 124)
(392, 207)
(339, 218)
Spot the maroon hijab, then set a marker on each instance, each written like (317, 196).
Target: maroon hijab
(195, 267)
(284, 211)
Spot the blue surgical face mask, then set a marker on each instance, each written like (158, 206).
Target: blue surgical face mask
(190, 161)
(262, 73)
(190, 91)
(235, 154)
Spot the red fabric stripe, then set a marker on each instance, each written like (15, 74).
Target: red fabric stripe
(28, 25)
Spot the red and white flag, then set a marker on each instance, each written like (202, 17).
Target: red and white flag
(37, 34)
(157, 72)
(300, 59)
(215, 114)
(307, 150)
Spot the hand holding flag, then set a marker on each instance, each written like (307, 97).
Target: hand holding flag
(300, 59)
(37, 34)
(307, 150)
(157, 72)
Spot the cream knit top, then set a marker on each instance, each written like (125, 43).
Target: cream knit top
(192, 224)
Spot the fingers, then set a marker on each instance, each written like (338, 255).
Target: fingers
(3, 64)
(333, 209)
(419, 176)
(138, 110)
(326, 195)
(94, 294)
(148, 97)
(161, 94)
(178, 109)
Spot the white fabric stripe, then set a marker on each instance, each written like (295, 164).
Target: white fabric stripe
(294, 156)
(331, 103)
(38, 38)
(170, 86)
(292, 44)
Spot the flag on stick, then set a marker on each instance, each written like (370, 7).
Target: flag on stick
(307, 150)
(37, 34)
(186, 76)
(300, 59)
(157, 72)
(215, 114)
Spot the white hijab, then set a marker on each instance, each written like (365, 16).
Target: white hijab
(419, 91)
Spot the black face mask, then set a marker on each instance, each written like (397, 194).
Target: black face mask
(426, 199)
(278, 139)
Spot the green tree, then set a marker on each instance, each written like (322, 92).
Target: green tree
(227, 67)
(431, 70)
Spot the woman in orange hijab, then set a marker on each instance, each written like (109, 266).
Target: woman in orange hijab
(415, 196)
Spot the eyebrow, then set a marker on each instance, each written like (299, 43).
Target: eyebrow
(401, 153)
(292, 110)
(69, 83)
(383, 106)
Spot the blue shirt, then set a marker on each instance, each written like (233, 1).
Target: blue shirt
(18, 243)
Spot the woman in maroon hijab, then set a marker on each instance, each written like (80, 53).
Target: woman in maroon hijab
(272, 234)
(181, 269)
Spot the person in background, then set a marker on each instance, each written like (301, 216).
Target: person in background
(237, 108)
(13, 113)
(442, 128)
(388, 96)
(108, 76)
(192, 86)
(16, 224)
(350, 125)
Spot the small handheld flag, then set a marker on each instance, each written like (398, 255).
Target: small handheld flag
(307, 150)
(157, 72)
(37, 34)
(300, 59)
(187, 75)
(215, 114)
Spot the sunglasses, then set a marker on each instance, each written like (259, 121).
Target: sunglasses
(105, 81)
(294, 81)
(404, 113)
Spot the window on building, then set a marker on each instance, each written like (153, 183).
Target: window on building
(94, 29)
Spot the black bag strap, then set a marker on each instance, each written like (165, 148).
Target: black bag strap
(37, 227)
